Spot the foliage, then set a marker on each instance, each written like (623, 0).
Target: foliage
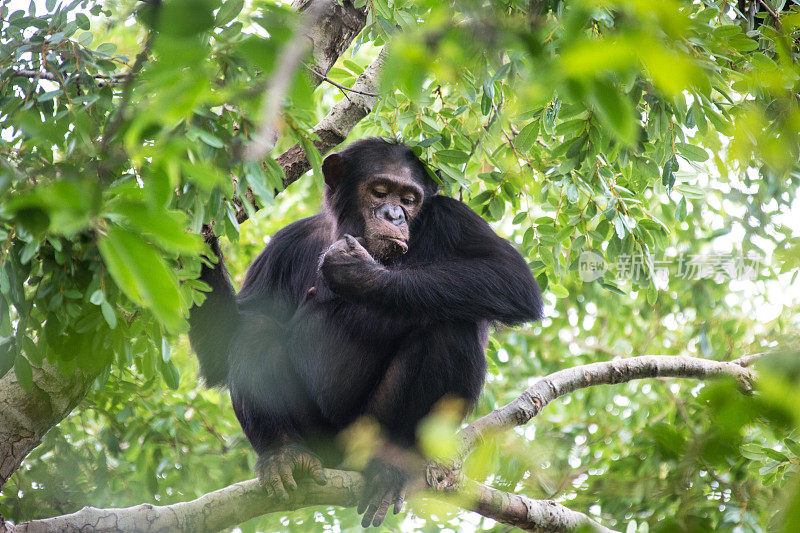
(625, 128)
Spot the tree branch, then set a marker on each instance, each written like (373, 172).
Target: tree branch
(102, 79)
(531, 402)
(243, 501)
(333, 128)
(337, 24)
(27, 415)
(340, 86)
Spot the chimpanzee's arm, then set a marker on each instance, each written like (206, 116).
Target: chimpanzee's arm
(472, 273)
(500, 289)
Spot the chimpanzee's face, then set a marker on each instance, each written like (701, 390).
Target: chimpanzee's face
(389, 199)
(375, 188)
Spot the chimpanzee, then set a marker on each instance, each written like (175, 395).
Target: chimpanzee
(379, 305)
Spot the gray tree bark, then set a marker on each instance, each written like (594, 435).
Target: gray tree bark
(242, 501)
(27, 415)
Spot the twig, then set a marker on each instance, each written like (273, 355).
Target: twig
(102, 79)
(774, 15)
(340, 86)
(113, 125)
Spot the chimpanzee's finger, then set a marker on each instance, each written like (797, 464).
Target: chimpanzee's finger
(352, 243)
(399, 500)
(367, 495)
(367, 519)
(383, 508)
(274, 482)
(364, 502)
(287, 477)
(318, 474)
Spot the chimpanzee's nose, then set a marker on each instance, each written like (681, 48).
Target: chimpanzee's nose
(392, 213)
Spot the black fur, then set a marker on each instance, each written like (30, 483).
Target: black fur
(304, 367)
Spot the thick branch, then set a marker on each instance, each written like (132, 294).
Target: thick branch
(243, 501)
(542, 516)
(25, 416)
(530, 403)
(336, 28)
(336, 25)
(334, 128)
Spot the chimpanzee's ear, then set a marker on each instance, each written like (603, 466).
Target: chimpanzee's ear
(333, 170)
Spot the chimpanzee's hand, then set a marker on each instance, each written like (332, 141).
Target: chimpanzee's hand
(384, 486)
(278, 468)
(346, 265)
(347, 249)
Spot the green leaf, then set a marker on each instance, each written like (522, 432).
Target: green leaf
(429, 141)
(615, 111)
(44, 97)
(108, 314)
(164, 227)
(209, 139)
(486, 104)
(256, 178)
(166, 352)
(453, 157)
(769, 467)
(497, 207)
(619, 227)
(170, 374)
(680, 210)
(230, 10)
(481, 198)
(83, 21)
(572, 193)
(23, 371)
(691, 153)
(793, 446)
(185, 18)
(107, 49)
(97, 297)
(559, 290)
(775, 454)
(140, 273)
(524, 140)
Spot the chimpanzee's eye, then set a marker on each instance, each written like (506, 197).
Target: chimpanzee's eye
(377, 193)
(407, 201)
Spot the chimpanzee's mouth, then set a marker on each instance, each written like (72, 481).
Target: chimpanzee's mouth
(401, 243)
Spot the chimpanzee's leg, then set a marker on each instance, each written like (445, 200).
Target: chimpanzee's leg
(446, 360)
(272, 405)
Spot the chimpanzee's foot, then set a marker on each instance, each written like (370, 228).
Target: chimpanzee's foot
(278, 468)
(384, 486)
